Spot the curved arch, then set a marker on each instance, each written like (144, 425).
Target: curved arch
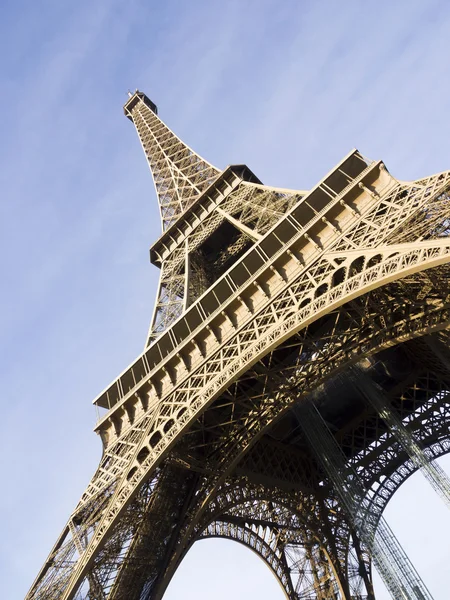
(427, 421)
(257, 544)
(391, 484)
(303, 537)
(305, 562)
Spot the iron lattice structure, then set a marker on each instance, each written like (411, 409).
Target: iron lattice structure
(296, 372)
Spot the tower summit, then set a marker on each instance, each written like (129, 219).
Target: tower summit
(296, 372)
(179, 174)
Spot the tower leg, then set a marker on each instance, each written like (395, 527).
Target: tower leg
(394, 567)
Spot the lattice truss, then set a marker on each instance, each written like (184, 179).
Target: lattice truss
(207, 440)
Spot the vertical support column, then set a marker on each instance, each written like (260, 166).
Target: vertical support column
(433, 473)
(363, 563)
(313, 576)
(394, 567)
(334, 555)
(324, 582)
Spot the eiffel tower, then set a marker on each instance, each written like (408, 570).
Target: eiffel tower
(296, 373)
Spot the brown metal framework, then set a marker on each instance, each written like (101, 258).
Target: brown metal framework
(270, 301)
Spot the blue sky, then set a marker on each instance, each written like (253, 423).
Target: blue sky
(285, 87)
